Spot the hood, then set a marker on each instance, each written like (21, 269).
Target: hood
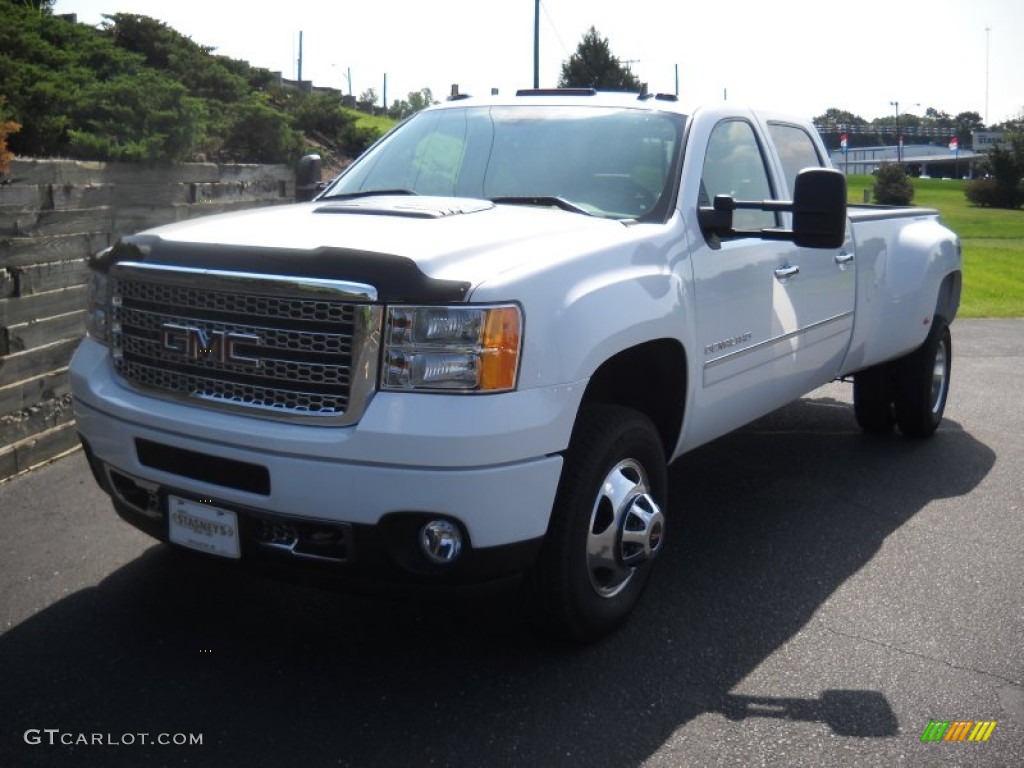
(411, 248)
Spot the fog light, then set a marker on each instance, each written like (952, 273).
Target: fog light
(441, 541)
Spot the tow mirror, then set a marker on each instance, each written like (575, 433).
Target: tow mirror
(307, 178)
(818, 208)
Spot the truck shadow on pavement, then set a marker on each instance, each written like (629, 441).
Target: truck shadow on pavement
(766, 524)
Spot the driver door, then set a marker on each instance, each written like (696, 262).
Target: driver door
(742, 308)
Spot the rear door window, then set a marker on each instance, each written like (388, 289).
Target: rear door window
(796, 151)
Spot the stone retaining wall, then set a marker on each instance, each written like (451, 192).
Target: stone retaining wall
(53, 215)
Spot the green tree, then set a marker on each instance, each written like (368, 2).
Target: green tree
(413, 103)
(839, 117)
(892, 187)
(594, 66)
(966, 124)
(367, 101)
(938, 116)
(835, 122)
(1014, 125)
(39, 6)
(421, 99)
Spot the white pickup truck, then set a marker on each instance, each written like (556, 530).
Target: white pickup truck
(476, 351)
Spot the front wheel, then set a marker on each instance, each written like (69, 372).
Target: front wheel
(923, 383)
(606, 526)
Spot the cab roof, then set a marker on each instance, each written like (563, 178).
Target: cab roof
(572, 97)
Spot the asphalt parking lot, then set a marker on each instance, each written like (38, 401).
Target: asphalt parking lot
(823, 598)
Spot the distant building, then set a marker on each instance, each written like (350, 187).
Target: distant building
(918, 159)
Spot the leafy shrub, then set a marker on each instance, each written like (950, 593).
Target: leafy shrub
(204, 74)
(985, 192)
(144, 118)
(1004, 188)
(892, 187)
(322, 113)
(258, 133)
(359, 137)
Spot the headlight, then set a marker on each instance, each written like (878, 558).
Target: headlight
(453, 349)
(97, 319)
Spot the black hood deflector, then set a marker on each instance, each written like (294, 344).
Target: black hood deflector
(396, 278)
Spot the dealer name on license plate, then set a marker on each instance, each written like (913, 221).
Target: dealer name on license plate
(203, 527)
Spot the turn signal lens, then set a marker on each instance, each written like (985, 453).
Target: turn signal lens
(500, 359)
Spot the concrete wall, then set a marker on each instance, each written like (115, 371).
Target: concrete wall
(53, 215)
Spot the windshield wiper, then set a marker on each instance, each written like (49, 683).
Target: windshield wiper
(548, 201)
(370, 193)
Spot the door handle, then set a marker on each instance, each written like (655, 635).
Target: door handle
(843, 258)
(783, 273)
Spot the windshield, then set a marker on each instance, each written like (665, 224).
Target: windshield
(608, 162)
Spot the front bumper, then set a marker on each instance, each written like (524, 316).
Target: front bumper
(471, 460)
(317, 549)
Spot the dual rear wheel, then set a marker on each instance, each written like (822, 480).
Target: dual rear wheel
(909, 392)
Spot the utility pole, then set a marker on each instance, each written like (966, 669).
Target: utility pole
(347, 74)
(677, 81)
(300, 56)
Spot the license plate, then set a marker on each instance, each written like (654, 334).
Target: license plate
(203, 527)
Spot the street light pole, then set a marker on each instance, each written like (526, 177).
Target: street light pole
(899, 154)
(987, 31)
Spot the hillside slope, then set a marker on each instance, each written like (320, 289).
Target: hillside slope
(135, 89)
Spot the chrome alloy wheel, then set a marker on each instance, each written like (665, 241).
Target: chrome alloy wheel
(626, 528)
(940, 377)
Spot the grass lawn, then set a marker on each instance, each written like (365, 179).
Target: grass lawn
(993, 242)
(382, 124)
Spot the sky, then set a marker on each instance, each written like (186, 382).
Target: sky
(796, 56)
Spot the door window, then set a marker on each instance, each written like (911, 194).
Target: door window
(734, 165)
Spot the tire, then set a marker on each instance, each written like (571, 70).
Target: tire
(606, 524)
(923, 383)
(873, 400)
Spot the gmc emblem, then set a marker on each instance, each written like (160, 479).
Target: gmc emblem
(197, 344)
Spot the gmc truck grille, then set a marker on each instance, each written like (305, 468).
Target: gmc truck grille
(292, 348)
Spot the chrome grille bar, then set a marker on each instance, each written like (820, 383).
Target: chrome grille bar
(290, 348)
